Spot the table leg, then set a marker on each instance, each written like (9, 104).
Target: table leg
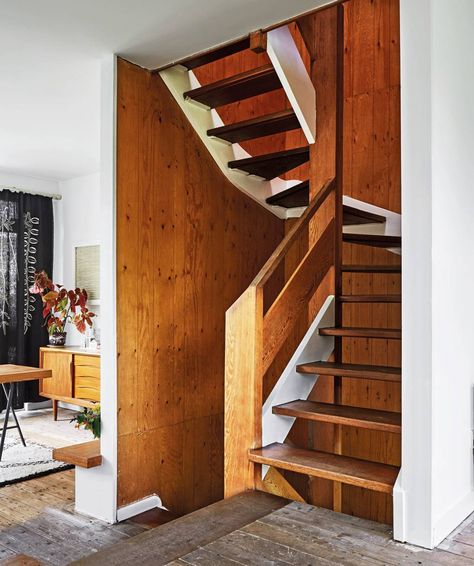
(14, 385)
(7, 414)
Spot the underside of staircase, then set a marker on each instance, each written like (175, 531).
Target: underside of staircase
(285, 456)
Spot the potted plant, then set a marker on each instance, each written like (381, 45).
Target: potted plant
(89, 419)
(61, 306)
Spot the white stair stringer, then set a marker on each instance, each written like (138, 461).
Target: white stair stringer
(292, 385)
(179, 80)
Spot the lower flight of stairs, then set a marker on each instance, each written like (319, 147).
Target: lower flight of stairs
(347, 470)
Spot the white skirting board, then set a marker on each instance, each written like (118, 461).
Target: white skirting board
(133, 509)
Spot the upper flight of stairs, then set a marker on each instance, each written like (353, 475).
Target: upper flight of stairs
(333, 466)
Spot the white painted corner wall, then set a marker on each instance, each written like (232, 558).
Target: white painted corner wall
(435, 491)
(96, 488)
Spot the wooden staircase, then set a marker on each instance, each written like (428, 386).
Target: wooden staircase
(256, 333)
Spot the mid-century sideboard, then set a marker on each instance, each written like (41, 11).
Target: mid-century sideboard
(76, 376)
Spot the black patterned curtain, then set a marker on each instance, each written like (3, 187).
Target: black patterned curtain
(26, 246)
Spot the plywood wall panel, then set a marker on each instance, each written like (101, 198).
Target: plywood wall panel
(372, 174)
(188, 245)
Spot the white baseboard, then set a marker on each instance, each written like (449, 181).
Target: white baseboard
(399, 517)
(453, 518)
(138, 507)
(37, 406)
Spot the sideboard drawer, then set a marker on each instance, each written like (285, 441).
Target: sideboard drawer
(87, 377)
(91, 361)
(87, 387)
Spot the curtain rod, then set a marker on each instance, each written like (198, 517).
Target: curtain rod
(17, 190)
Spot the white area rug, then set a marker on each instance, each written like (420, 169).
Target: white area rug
(19, 462)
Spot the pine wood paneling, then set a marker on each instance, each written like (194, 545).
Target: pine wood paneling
(371, 173)
(188, 245)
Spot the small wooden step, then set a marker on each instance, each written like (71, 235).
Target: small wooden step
(382, 373)
(371, 268)
(341, 414)
(351, 332)
(298, 196)
(239, 87)
(276, 123)
(370, 298)
(85, 455)
(294, 197)
(215, 54)
(354, 216)
(351, 471)
(374, 240)
(272, 165)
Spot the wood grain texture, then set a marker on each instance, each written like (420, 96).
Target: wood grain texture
(84, 455)
(189, 243)
(368, 475)
(372, 173)
(296, 294)
(341, 414)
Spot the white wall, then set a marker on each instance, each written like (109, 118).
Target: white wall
(35, 185)
(82, 226)
(96, 489)
(436, 490)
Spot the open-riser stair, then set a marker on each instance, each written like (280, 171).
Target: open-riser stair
(265, 177)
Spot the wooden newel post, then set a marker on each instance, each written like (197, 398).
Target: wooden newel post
(243, 390)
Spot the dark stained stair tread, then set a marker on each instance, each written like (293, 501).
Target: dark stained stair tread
(271, 165)
(283, 121)
(374, 240)
(241, 86)
(384, 373)
(351, 471)
(371, 268)
(216, 54)
(354, 216)
(298, 196)
(294, 197)
(370, 298)
(341, 414)
(351, 332)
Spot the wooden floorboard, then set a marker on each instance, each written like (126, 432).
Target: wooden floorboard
(38, 525)
(171, 541)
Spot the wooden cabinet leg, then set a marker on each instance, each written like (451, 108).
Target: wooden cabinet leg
(55, 409)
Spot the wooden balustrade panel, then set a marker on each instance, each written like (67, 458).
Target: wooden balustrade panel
(294, 297)
(188, 245)
(243, 389)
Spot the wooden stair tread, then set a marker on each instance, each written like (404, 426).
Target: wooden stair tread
(85, 455)
(371, 268)
(215, 54)
(385, 373)
(355, 216)
(272, 165)
(294, 197)
(352, 332)
(267, 125)
(298, 196)
(374, 240)
(341, 414)
(239, 87)
(351, 471)
(370, 298)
